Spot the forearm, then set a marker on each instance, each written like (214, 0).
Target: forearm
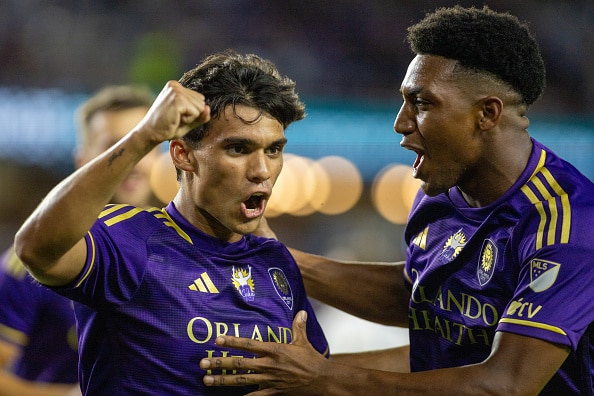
(372, 291)
(341, 380)
(517, 365)
(394, 359)
(473, 380)
(70, 209)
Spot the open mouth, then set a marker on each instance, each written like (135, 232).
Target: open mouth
(254, 201)
(418, 160)
(254, 206)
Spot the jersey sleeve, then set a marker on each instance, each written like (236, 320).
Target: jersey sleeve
(116, 258)
(554, 297)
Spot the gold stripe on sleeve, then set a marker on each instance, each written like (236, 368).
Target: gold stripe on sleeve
(124, 216)
(543, 326)
(109, 209)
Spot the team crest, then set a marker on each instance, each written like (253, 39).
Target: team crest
(454, 245)
(543, 274)
(282, 286)
(487, 261)
(243, 282)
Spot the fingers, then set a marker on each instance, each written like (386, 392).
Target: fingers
(262, 370)
(229, 363)
(245, 344)
(176, 111)
(300, 329)
(230, 380)
(195, 112)
(191, 105)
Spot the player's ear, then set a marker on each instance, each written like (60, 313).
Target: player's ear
(180, 154)
(492, 108)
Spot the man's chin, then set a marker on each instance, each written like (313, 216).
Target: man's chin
(250, 226)
(432, 190)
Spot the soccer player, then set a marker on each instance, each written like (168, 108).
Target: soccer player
(37, 327)
(154, 288)
(498, 282)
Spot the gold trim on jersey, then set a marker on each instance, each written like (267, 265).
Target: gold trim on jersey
(14, 335)
(543, 326)
(162, 214)
(551, 213)
(92, 264)
(133, 211)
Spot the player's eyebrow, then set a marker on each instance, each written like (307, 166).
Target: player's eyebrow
(248, 142)
(411, 91)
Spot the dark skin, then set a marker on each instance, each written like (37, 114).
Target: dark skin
(469, 134)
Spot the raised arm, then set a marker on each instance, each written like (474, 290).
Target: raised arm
(51, 242)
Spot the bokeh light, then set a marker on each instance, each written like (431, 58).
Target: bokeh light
(393, 192)
(346, 185)
(300, 183)
(331, 185)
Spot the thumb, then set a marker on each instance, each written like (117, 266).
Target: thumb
(300, 329)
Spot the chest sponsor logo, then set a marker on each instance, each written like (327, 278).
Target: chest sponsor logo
(543, 274)
(243, 282)
(454, 245)
(282, 286)
(487, 261)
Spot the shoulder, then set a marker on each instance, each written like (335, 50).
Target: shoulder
(126, 214)
(126, 228)
(127, 219)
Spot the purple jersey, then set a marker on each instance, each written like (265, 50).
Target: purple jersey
(38, 321)
(156, 292)
(524, 265)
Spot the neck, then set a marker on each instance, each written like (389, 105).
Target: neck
(500, 170)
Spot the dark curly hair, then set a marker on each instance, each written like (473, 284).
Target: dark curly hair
(483, 40)
(228, 78)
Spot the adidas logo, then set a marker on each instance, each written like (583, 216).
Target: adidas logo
(203, 284)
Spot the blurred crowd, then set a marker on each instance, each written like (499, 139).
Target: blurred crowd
(351, 48)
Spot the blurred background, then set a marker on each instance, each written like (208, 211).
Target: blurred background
(346, 188)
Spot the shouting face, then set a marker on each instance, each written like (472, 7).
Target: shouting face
(438, 121)
(228, 177)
